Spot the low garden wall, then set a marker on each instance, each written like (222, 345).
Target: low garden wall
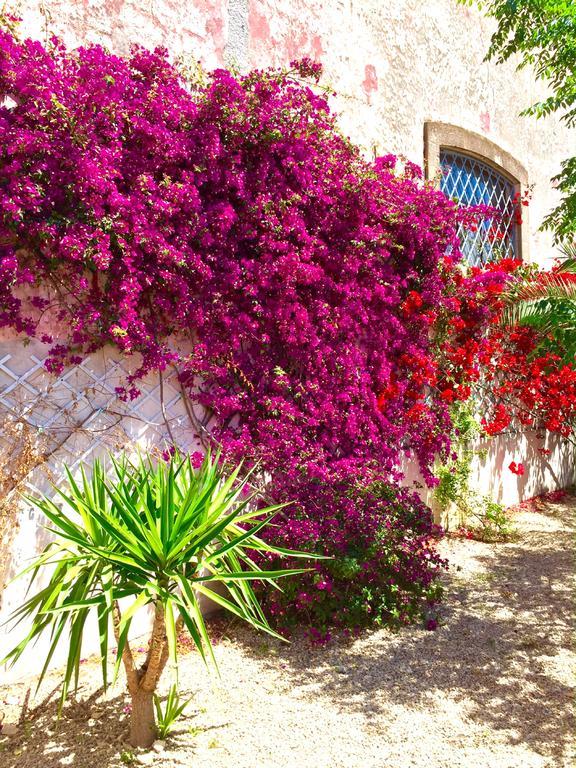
(490, 474)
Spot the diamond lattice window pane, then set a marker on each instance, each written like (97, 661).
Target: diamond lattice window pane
(472, 182)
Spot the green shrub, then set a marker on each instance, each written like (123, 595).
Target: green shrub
(154, 535)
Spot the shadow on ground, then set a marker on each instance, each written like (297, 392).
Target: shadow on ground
(494, 654)
(506, 621)
(90, 732)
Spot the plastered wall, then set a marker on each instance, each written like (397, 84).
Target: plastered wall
(395, 64)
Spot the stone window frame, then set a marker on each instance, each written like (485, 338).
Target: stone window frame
(439, 136)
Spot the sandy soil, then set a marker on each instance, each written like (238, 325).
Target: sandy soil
(491, 688)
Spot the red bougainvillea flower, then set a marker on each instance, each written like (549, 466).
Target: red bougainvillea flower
(516, 469)
(412, 303)
(500, 420)
(448, 395)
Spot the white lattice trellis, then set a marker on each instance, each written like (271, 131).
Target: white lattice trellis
(79, 412)
(79, 416)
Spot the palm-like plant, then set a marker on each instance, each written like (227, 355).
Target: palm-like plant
(151, 535)
(548, 305)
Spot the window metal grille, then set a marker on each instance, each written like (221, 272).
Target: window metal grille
(472, 182)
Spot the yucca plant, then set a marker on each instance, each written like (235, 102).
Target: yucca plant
(173, 708)
(151, 534)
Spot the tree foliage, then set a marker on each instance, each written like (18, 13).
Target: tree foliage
(542, 33)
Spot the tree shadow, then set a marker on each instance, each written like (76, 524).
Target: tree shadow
(91, 731)
(501, 631)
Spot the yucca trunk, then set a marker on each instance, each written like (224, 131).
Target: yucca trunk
(142, 719)
(142, 682)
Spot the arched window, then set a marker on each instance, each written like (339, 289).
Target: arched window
(470, 181)
(473, 170)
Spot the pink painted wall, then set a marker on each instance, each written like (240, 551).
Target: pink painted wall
(399, 63)
(195, 28)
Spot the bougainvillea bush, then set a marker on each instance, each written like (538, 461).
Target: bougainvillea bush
(526, 380)
(229, 230)
(236, 216)
(383, 564)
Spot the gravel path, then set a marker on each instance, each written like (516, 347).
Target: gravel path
(491, 688)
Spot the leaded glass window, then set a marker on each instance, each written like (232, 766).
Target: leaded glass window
(472, 182)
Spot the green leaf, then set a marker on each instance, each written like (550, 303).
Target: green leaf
(144, 536)
(251, 575)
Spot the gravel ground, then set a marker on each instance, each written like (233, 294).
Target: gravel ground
(491, 688)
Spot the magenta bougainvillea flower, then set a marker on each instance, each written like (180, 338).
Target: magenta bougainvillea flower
(231, 231)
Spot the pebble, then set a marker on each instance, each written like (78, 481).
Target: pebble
(9, 729)
(159, 746)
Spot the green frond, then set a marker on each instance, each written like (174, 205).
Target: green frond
(547, 304)
(148, 534)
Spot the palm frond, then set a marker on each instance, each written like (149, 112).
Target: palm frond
(568, 263)
(547, 304)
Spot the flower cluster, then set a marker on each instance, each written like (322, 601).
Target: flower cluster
(522, 386)
(378, 541)
(228, 229)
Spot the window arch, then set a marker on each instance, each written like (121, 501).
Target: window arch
(472, 169)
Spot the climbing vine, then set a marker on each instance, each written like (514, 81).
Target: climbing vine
(312, 301)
